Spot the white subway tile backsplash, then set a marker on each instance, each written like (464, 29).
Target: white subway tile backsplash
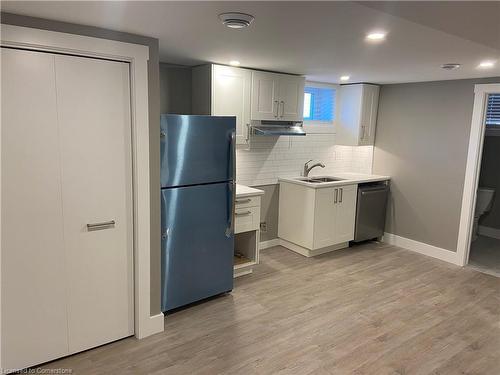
(268, 158)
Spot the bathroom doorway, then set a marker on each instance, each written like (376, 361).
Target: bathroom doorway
(484, 253)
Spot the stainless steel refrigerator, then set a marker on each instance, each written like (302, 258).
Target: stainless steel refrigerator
(197, 207)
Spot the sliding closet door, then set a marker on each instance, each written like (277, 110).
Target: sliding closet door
(34, 322)
(93, 100)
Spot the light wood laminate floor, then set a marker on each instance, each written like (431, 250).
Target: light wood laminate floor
(372, 309)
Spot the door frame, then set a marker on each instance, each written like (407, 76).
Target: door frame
(473, 168)
(137, 56)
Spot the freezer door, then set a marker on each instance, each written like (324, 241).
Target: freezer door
(197, 243)
(196, 149)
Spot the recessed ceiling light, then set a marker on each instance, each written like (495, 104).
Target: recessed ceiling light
(486, 64)
(450, 66)
(344, 78)
(235, 20)
(376, 36)
(234, 63)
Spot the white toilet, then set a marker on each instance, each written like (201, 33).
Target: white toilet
(484, 201)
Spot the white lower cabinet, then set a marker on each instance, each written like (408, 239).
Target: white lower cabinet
(246, 232)
(316, 220)
(334, 216)
(66, 163)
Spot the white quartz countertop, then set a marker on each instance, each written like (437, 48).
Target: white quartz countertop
(346, 179)
(247, 191)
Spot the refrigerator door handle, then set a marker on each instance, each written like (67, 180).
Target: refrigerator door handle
(230, 227)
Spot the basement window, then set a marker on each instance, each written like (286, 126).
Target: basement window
(320, 105)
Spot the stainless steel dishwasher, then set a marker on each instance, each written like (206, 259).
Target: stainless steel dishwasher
(370, 211)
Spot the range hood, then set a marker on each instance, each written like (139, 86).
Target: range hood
(277, 128)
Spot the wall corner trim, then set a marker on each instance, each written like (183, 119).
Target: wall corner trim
(422, 248)
(155, 325)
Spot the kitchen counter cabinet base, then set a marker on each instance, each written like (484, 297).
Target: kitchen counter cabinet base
(316, 221)
(312, 253)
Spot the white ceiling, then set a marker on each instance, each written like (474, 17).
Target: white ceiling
(322, 40)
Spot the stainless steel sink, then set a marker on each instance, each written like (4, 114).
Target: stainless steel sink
(319, 180)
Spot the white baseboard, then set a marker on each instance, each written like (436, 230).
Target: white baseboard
(489, 232)
(422, 248)
(270, 243)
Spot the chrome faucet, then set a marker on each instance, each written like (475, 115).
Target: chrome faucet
(308, 168)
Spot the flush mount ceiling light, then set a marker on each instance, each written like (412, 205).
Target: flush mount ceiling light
(235, 20)
(234, 63)
(486, 64)
(376, 36)
(450, 66)
(345, 78)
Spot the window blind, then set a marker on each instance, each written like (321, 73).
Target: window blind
(319, 104)
(493, 110)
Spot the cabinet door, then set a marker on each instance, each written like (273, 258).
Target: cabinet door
(291, 98)
(231, 89)
(345, 213)
(325, 218)
(368, 119)
(264, 96)
(348, 129)
(34, 319)
(94, 116)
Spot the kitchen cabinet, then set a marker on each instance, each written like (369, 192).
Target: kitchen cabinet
(335, 215)
(357, 114)
(314, 221)
(277, 97)
(220, 90)
(246, 229)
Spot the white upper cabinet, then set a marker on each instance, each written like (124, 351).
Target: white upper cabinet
(291, 96)
(265, 100)
(277, 97)
(220, 90)
(231, 97)
(358, 114)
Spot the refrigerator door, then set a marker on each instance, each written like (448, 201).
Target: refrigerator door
(197, 243)
(196, 149)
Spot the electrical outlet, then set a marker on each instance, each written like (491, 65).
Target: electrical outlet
(263, 227)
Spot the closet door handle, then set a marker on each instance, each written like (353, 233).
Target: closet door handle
(243, 213)
(282, 108)
(341, 194)
(102, 225)
(277, 108)
(336, 196)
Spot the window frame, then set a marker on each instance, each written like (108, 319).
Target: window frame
(319, 127)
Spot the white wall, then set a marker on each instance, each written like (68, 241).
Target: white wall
(269, 158)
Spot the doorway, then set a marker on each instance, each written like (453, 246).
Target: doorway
(479, 236)
(484, 252)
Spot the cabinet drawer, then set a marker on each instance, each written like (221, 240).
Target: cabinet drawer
(247, 202)
(246, 219)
